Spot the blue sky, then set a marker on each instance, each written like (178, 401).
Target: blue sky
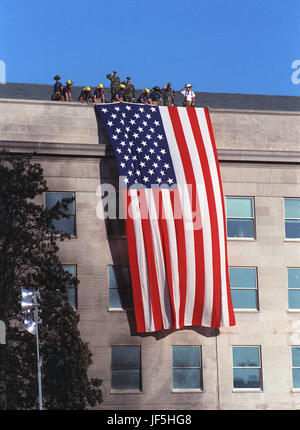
(238, 46)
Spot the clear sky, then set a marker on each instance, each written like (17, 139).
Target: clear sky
(237, 46)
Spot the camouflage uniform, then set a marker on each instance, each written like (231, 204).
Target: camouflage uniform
(168, 95)
(114, 84)
(129, 93)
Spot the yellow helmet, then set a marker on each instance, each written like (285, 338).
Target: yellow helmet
(122, 86)
(69, 82)
(146, 90)
(100, 86)
(87, 89)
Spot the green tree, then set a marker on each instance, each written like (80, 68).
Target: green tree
(28, 259)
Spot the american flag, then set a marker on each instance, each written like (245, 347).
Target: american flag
(175, 217)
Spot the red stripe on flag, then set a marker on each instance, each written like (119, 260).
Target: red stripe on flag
(165, 242)
(152, 274)
(217, 282)
(134, 265)
(198, 234)
(212, 139)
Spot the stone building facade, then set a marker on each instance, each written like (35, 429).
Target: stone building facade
(259, 159)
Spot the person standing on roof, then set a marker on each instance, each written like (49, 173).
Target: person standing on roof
(120, 94)
(189, 96)
(67, 96)
(129, 93)
(114, 83)
(144, 97)
(85, 95)
(57, 89)
(99, 94)
(168, 95)
(155, 96)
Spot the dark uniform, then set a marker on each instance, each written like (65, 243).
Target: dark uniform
(144, 98)
(168, 95)
(129, 93)
(99, 95)
(119, 95)
(85, 96)
(114, 83)
(67, 96)
(57, 89)
(155, 96)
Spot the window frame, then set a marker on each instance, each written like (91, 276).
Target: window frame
(188, 390)
(75, 288)
(289, 239)
(257, 309)
(73, 235)
(128, 290)
(124, 390)
(252, 198)
(248, 389)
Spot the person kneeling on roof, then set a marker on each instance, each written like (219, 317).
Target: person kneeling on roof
(85, 95)
(67, 96)
(99, 94)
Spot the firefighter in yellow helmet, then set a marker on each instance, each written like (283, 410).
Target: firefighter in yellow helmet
(85, 95)
(99, 94)
(67, 96)
(144, 97)
(120, 94)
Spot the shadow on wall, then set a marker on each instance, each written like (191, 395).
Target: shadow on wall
(116, 236)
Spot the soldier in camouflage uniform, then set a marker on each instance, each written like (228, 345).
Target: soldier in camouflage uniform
(129, 93)
(114, 83)
(168, 95)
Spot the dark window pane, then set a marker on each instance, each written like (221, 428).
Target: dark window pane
(186, 356)
(296, 378)
(244, 299)
(294, 299)
(72, 296)
(125, 357)
(187, 378)
(292, 208)
(125, 380)
(53, 198)
(246, 378)
(294, 278)
(114, 299)
(242, 277)
(240, 228)
(65, 225)
(245, 356)
(292, 229)
(296, 356)
(71, 268)
(239, 207)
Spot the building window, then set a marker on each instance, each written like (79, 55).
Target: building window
(64, 225)
(240, 217)
(246, 367)
(296, 366)
(292, 218)
(120, 293)
(72, 291)
(243, 287)
(293, 276)
(187, 373)
(126, 368)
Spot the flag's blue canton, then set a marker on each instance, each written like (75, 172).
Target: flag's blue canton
(139, 141)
